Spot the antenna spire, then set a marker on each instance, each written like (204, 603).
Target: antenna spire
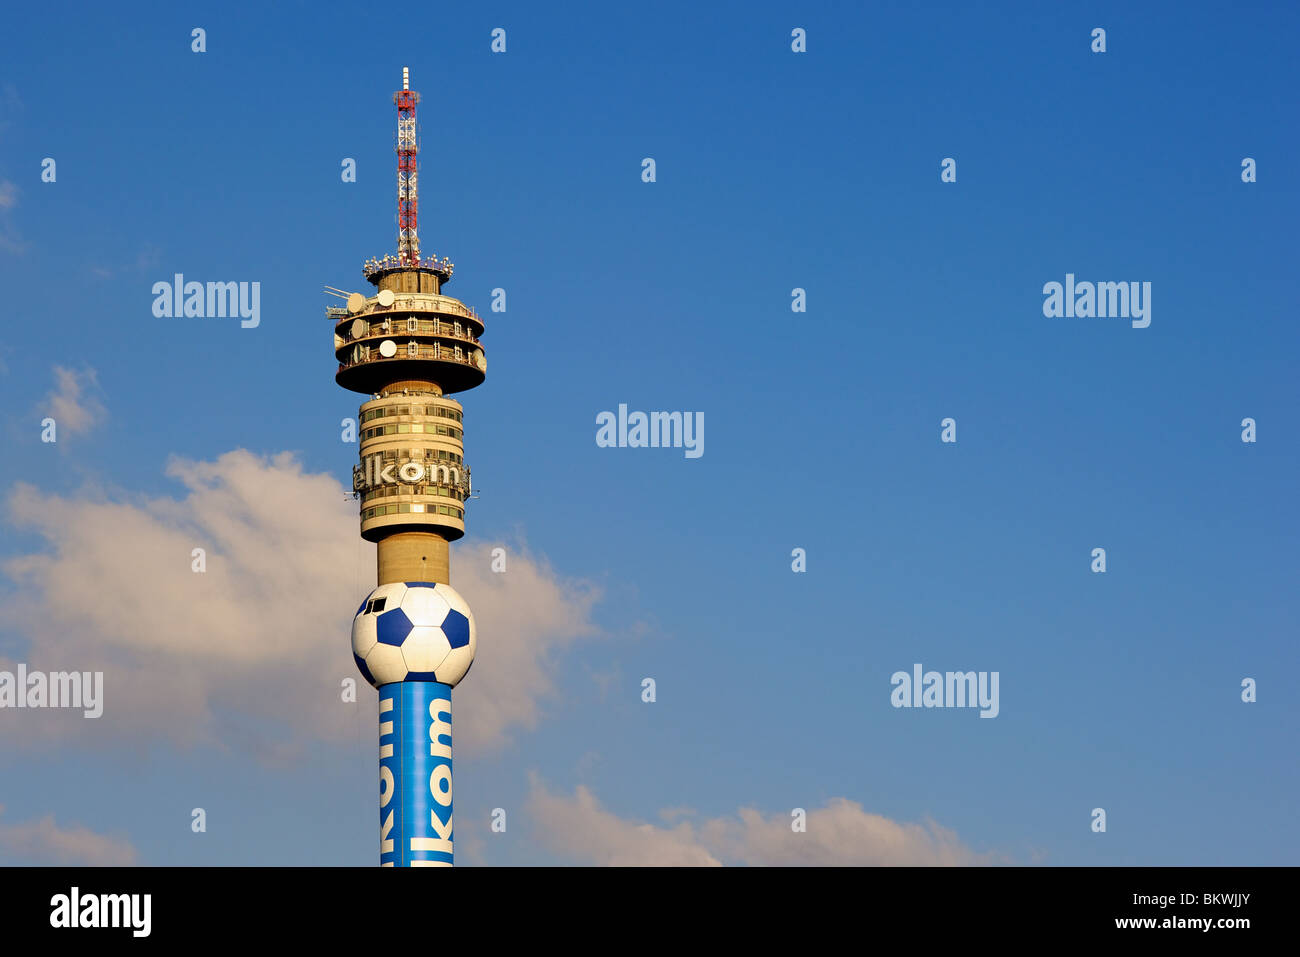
(408, 148)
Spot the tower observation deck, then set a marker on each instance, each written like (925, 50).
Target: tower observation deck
(409, 346)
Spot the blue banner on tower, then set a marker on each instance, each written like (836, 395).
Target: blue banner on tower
(415, 774)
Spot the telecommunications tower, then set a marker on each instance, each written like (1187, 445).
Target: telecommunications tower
(407, 348)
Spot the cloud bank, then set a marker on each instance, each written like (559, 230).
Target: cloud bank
(44, 842)
(250, 653)
(841, 833)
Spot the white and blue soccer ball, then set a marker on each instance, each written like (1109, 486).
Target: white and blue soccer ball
(413, 631)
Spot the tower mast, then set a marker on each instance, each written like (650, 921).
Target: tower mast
(408, 159)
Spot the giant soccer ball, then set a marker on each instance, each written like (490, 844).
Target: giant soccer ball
(413, 631)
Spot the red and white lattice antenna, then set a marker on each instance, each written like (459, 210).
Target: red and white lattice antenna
(408, 148)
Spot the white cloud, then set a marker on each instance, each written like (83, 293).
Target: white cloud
(841, 833)
(250, 654)
(10, 240)
(146, 260)
(525, 615)
(11, 104)
(74, 404)
(583, 831)
(44, 842)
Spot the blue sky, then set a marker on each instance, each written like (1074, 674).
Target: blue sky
(775, 170)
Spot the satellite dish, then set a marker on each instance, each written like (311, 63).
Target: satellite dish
(359, 328)
(388, 348)
(386, 297)
(338, 340)
(356, 302)
(480, 360)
